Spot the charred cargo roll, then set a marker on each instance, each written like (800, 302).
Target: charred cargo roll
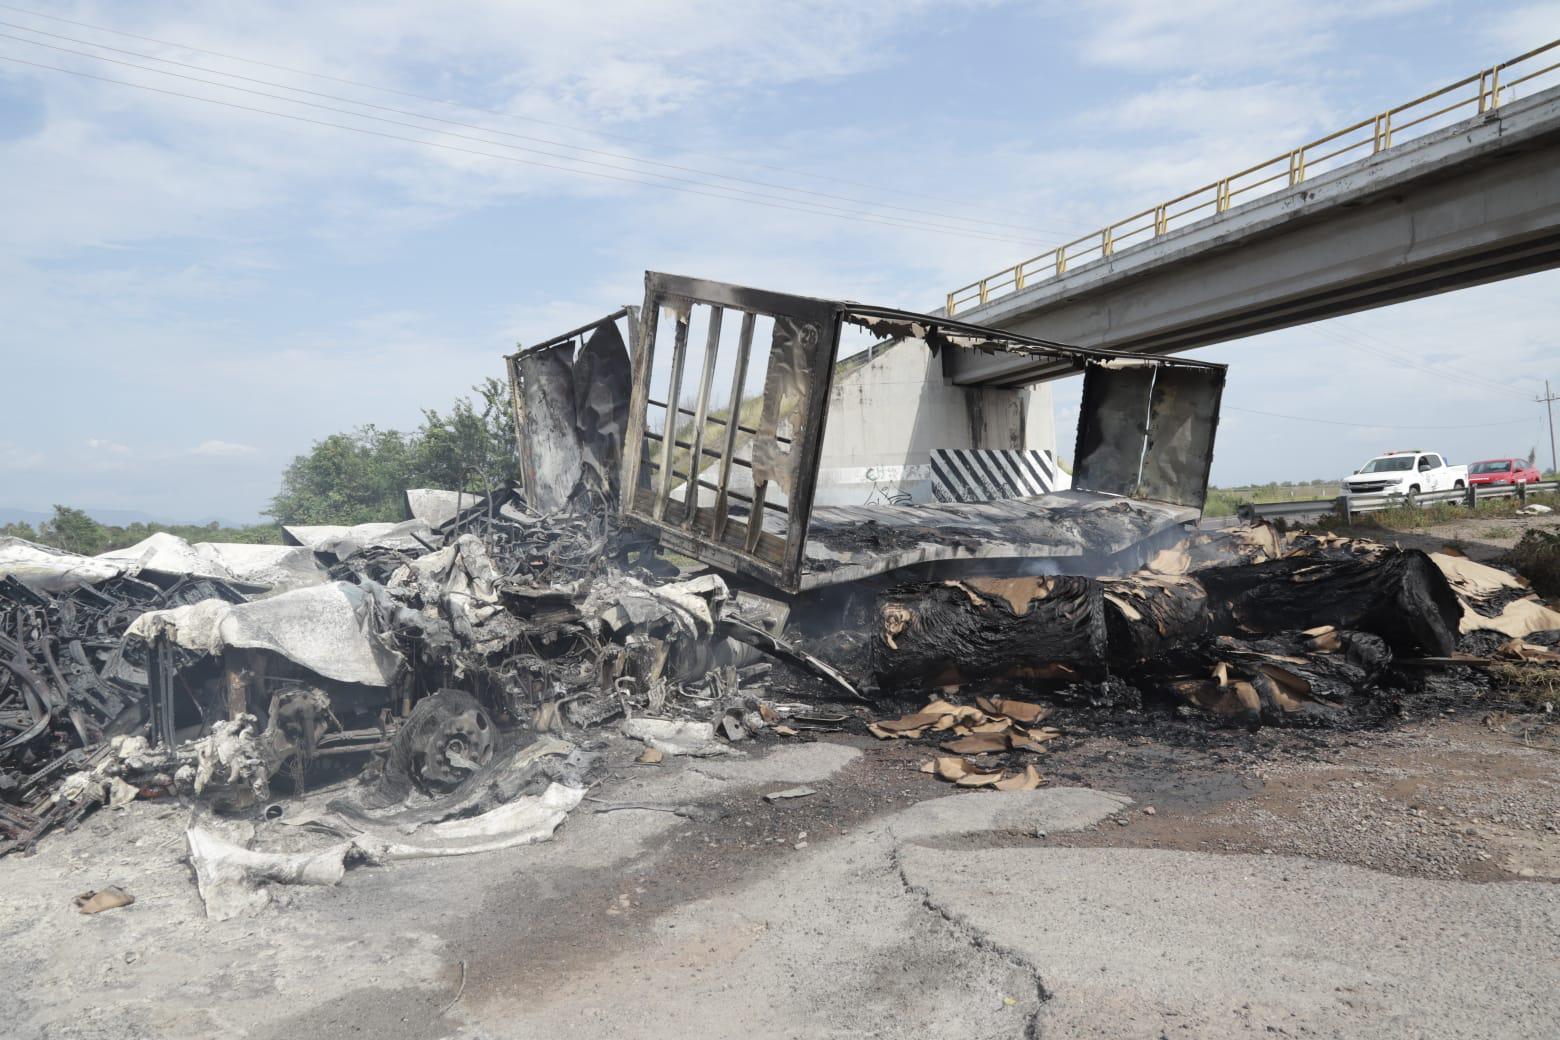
(1399, 595)
(1036, 629)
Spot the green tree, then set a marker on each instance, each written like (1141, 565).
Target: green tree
(347, 478)
(74, 531)
(19, 529)
(357, 477)
(470, 449)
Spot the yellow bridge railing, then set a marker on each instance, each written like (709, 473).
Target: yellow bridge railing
(1378, 133)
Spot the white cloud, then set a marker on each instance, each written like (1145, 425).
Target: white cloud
(1203, 35)
(1192, 105)
(16, 459)
(108, 447)
(113, 165)
(214, 449)
(1518, 30)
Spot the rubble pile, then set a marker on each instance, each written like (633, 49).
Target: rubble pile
(422, 650)
(427, 651)
(67, 681)
(472, 669)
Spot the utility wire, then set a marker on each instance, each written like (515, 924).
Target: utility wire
(1401, 359)
(1353, 338)
(1386, 344)
(720, 192)
(476, 108)
(469, 126)
(818, 206)
(1370, 426)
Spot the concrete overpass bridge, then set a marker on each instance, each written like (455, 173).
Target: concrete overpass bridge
(1456, 188)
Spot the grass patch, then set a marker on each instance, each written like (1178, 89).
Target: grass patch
(1534, 685)
(1537, 558)
(1413, 518)
(1227, 501)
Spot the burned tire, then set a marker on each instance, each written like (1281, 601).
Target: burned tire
(445, 739)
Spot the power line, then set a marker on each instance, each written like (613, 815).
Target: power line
(1548, 401)
(1400, 359)
(1370, 426)
(719, 193)
(821, 207)
(1399, 353)
(477, 108)
(1397, 357)
(469, 126)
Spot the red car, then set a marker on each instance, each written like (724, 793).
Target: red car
(1502, 471)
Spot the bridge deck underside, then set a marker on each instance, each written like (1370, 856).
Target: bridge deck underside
(1462, 209)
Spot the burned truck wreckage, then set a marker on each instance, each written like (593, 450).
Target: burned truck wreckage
(662, 571)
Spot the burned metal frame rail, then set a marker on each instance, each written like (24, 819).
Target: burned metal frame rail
(1152, 441)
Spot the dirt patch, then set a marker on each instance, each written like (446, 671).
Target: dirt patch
(1466, 798)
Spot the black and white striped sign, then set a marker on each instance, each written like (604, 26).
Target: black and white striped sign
(983, 475)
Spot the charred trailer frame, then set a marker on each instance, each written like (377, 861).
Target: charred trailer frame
(760, 531)
(725, 419)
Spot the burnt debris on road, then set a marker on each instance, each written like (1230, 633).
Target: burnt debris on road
(661, 574)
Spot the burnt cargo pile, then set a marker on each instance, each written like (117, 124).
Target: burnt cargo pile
(423, 655)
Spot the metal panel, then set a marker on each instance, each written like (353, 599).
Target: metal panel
(603, 383)
(682, 315)
(570, 397)
(1183, 418)
(702, 412)
(733, 424)
(1113, 426)
(1062, 532)
(767, 540)
(550, 450)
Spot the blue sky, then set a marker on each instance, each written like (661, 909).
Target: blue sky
(193, 293)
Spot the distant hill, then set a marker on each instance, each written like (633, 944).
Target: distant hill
(111, 517)
(21, 516)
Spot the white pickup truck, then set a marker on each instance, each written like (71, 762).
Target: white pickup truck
(1405, 473)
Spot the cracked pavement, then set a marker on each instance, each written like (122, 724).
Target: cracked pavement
(917, 912)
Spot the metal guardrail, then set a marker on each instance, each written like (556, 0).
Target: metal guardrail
(1346, 505)
(1377, 133)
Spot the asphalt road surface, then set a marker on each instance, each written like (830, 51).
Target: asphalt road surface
(882, 906)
